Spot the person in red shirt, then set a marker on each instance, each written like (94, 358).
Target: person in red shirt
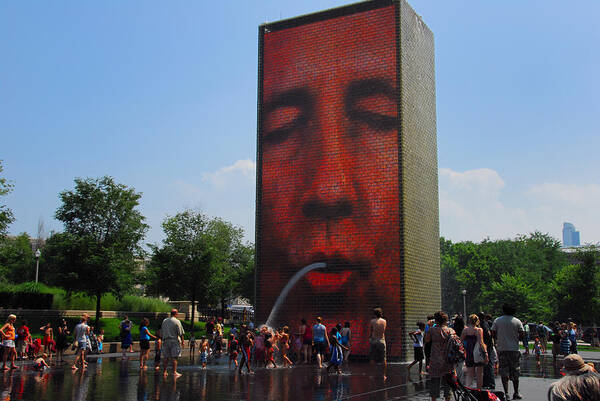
(23, 338)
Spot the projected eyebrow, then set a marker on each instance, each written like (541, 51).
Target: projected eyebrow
(382, 115)
(286, 113)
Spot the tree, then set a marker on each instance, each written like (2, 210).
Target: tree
(16, 259)
(182, 266)
(232, 261)
(576, 288)
(6, 215)
(97, 252)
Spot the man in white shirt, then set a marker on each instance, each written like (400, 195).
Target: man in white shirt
(507, 330)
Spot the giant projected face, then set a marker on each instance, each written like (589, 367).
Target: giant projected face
(329, 169)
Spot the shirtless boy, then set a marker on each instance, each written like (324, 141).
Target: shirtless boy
(377, 339)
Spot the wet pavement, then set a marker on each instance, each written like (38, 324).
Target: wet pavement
(113, 378)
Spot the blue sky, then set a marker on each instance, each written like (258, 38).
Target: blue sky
(162, 96)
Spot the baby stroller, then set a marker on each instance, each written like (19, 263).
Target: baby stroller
(464, 393)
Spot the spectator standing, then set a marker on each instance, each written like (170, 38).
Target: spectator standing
(8, 342)
(543, 335)
(377, 342)
(438, 337)
(565, 342)
(145, 337)
(172, 342)
(489, 380)
(61, 340)
(507, 330)
(81, 337)
(526, 337)
(126, 340)
(572, 338)
(346, 334)
(472, 335)
(23, 338)
(320, 341)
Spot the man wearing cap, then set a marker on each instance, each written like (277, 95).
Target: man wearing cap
(581, 381)
(173, 341)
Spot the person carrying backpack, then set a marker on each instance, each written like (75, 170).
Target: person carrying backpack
(442, 339)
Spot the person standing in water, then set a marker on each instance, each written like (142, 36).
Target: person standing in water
(377, 344)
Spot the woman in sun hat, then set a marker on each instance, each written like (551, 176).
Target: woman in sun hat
(581, 382)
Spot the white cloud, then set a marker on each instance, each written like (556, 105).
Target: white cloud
(227, 174)
(477, 204)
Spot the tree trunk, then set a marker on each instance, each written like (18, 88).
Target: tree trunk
(223, 308)
(98, 313)
(193, 311)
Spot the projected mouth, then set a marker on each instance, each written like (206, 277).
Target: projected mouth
(337, 274)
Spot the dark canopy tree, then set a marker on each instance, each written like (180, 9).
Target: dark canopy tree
(182, 267)
(99, 249)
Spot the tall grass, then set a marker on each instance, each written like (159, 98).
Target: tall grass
(129, 303)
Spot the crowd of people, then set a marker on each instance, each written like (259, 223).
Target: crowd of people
(478, 349)
(472, 351)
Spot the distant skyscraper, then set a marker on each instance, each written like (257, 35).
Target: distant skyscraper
(570, 236)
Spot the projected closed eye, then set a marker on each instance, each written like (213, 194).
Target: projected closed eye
(372, 102)
(287, 113)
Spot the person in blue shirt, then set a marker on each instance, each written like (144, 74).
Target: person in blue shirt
(320, 341)
(145, 337)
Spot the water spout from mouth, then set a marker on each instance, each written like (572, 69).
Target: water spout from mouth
(289, 286)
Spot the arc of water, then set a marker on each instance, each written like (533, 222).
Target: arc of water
(290, 284)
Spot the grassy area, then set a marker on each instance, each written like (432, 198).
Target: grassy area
(580, 347)
(62, 300)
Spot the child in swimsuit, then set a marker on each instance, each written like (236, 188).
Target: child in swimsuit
(204, 352)
(40, 362)
(233, 350)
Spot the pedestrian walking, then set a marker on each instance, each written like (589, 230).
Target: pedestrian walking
(476, 351)
(320, 341)
(417, 336)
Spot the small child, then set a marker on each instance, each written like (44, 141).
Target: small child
(270, 352)
(417, 337)
(40, 362)
(204, 348)
(192, 344)
(537, 350)
(100, 340)
(233, 350)
(157, 350)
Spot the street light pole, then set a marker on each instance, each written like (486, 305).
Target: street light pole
(37, 264)
(464, 294)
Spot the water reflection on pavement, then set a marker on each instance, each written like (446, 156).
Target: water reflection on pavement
(115, 379)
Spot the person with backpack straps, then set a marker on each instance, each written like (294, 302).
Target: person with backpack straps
(443, 354)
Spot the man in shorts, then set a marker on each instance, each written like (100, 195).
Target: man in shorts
(507, 330)
(320, 341)
(173, 341)
(377, 328)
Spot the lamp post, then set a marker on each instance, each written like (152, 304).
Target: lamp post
(464, 294)
(37, 264)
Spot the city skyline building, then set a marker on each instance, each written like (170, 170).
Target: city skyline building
(570, 235)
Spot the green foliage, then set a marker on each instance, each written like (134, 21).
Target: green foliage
(576, 288)
(6, 215)
(97, 252)
(17, 262)
(200, 259)
(530, 272)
